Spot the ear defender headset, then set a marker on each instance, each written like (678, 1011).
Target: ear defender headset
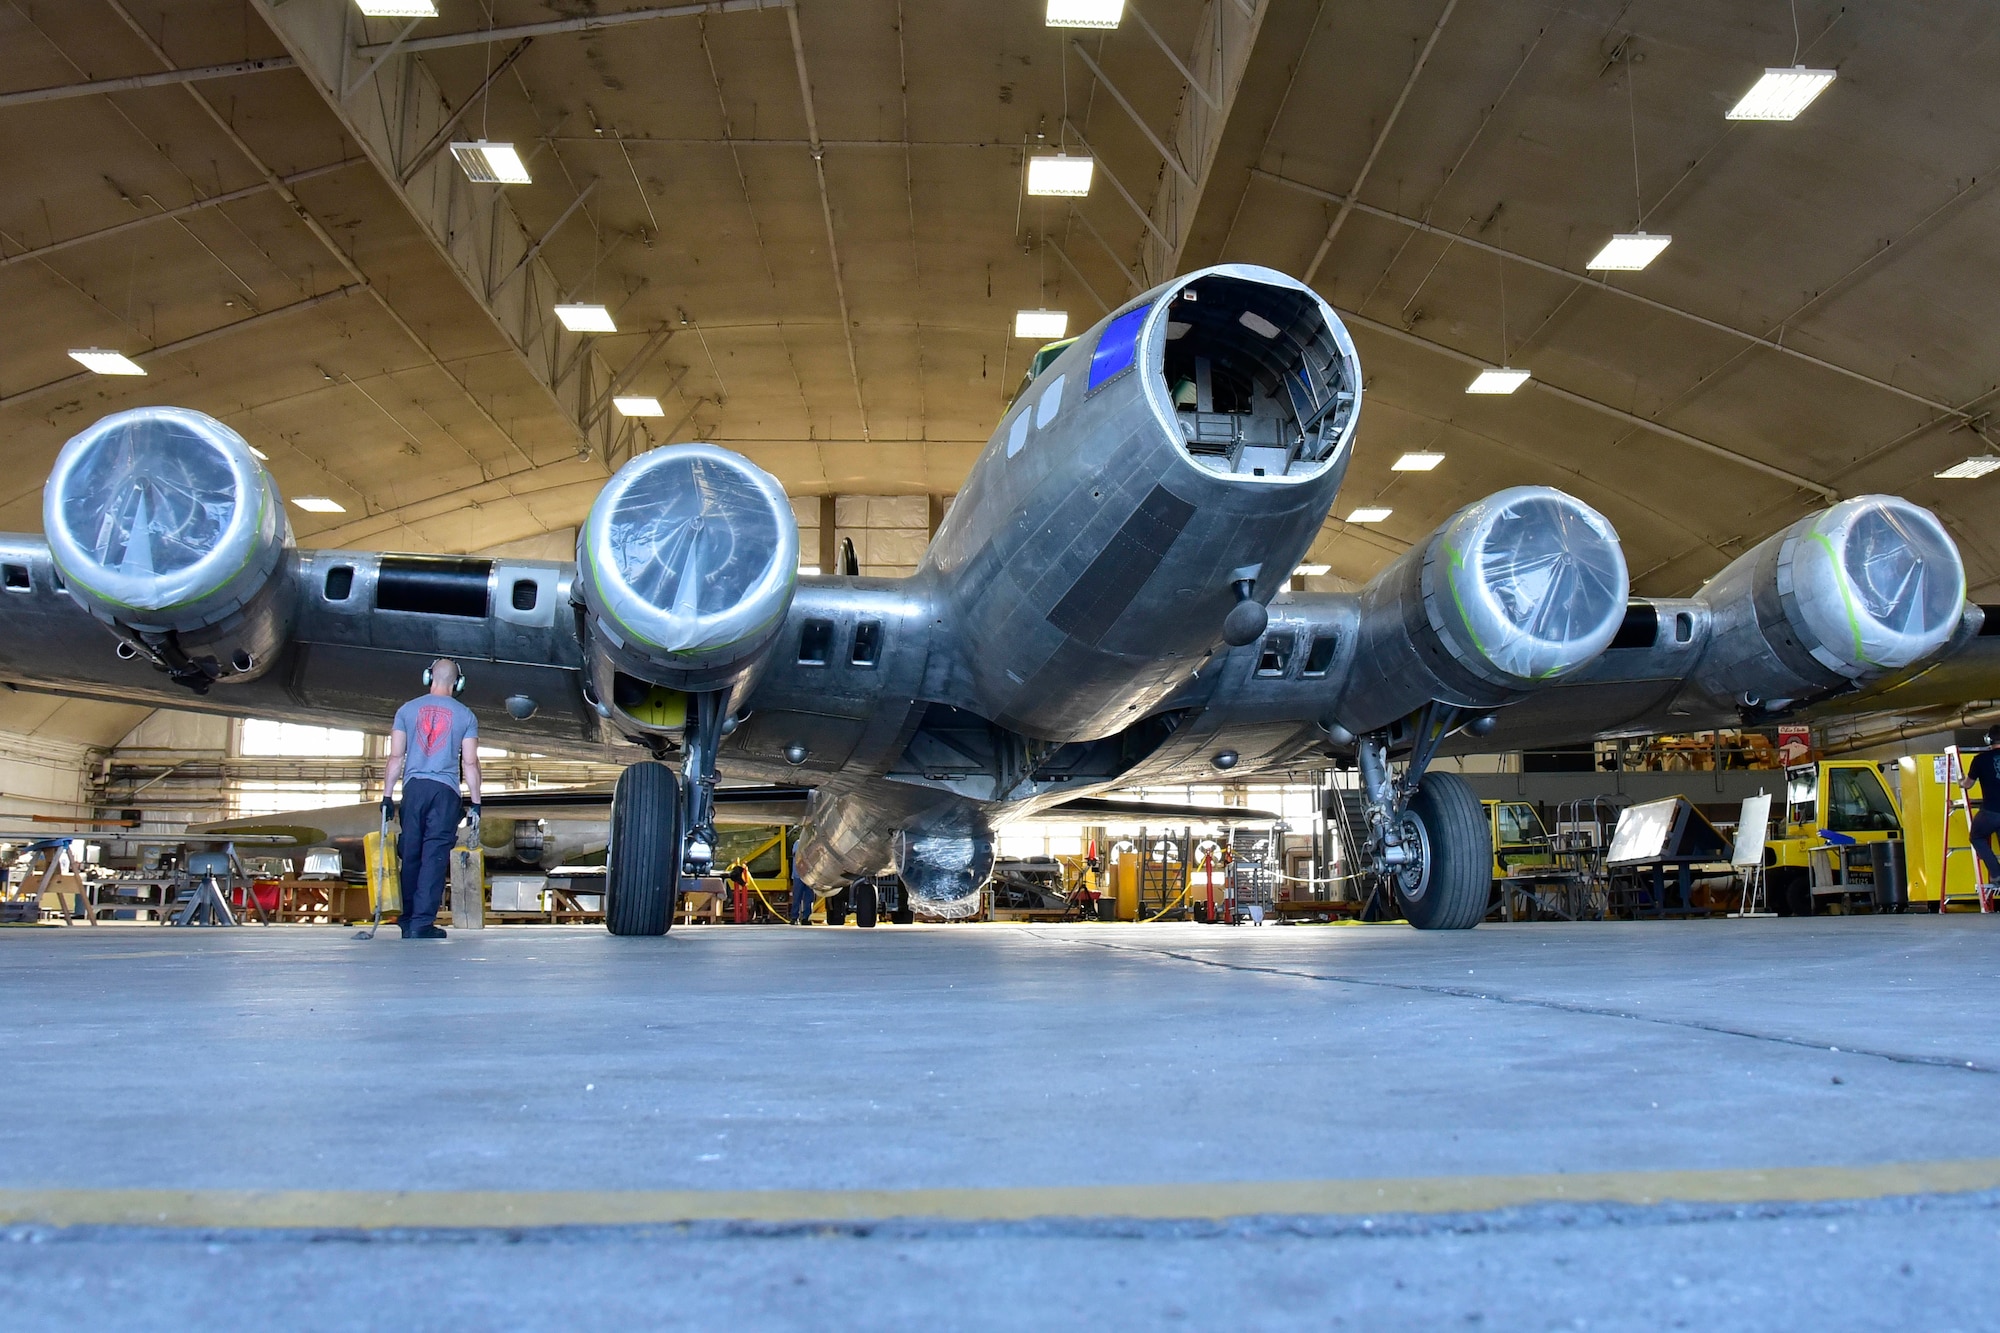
(457, 678)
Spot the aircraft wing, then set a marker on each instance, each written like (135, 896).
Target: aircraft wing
(1125, 810)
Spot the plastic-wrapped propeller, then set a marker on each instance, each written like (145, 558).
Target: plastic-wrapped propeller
(1875, 581)
(690, 558)
(1533, 583)
(162, 518)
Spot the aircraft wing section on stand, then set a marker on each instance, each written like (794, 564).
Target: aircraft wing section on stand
(1127, 809)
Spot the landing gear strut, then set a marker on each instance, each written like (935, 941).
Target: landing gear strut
(1428, 834)
(705, 729)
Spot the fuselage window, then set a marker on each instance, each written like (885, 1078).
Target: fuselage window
(867, 644)
(18, 580)
(1276, 657)
(1683, 627)
(815, 643)
(1045, 411)
(525, 593)
(1319, 657)
(339, 583)
(1017, 434)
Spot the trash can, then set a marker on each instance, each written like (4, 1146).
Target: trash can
(1889, 867)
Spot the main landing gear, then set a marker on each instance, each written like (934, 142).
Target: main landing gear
(643, 866)
(663, 825)
(1428, 834)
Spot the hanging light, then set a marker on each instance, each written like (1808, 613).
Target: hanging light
(487, 163)
(586, 318)
(1630, 251)
(1782, 93)
(1043, 325)
(1500, 379)
(1085, 13)
(1060, 174)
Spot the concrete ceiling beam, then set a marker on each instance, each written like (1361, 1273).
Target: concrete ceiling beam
(1599, 284)
(163, 79)
(474, 229)
(180, 211)
(589, 23)
(1228, 35)
(1617, 413)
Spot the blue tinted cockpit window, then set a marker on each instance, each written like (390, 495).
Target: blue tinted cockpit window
(1116, 347)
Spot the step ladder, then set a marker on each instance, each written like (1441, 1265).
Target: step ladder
(1957, 803)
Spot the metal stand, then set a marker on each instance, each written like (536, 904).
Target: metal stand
(206, 906)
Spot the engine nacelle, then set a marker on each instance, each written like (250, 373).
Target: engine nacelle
(944, 865)
(166, 527)
(687, 564)
(1513, 591)
(1842, 596)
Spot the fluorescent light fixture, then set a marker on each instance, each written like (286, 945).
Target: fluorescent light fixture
(398, 9)
(1045, 325)
(1970, 468)
(1503, 380)
(319, 504)
(1369, 514)
(586, 319)
(1781, 94)
(1085, 13)
(638, 406)
(1060, 174)
(1418, 461)
(808, 569)
(491, 163)
(259, 454)
(105, 363)
(1630, 251)
(1311, 571)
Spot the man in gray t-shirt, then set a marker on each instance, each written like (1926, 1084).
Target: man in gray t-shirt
(435, 736)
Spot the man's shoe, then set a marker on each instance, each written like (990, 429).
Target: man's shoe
(429, 933)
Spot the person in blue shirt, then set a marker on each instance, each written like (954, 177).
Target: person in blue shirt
(802, 901)
(435, 739)
(1985, 771)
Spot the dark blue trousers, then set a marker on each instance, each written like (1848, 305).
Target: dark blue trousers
(1985, 824)
(431, 813)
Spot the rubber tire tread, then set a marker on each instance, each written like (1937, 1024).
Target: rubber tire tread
(864, 906)
(1461, 870)
(642, 868)
(836, 908)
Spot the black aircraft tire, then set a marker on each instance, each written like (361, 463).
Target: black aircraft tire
(642, 866)
(905, 915)
(836, 908)
(1458, 874)
(864, 905)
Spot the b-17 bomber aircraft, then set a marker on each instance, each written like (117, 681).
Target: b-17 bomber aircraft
(1105, 606)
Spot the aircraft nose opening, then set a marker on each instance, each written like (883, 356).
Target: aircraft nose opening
(1263, 379)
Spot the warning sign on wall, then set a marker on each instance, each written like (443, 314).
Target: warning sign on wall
(1794, 745)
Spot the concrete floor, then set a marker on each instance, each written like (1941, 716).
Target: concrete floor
(989, 1057)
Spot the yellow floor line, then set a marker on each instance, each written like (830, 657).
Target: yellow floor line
(371, 1210)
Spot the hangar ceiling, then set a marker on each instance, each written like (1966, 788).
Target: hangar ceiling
(807, 221)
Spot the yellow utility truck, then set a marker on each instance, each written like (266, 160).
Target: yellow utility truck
(1867, 801)
(1519, 840)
